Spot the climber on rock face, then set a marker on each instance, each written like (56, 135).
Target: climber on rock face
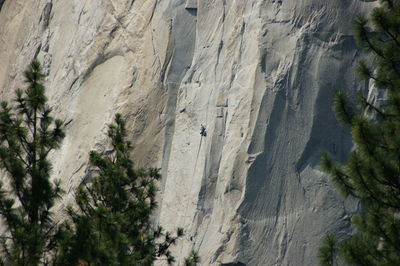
(203, 131)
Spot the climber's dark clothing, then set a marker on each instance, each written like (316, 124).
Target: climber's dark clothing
(203, 131)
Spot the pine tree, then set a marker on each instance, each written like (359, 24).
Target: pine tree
(28, 133)
(372, 171)
(328, 251)
(193, 259)
(112, 220)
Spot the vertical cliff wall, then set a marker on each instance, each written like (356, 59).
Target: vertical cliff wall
(259, 74)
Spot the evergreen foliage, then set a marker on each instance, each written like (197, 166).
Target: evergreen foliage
(28, 133)
(372, 172)
(327, 252)
(111, 225)
(193, 259)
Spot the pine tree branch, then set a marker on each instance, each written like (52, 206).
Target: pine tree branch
(18, 190)
(23, 142)
(10, 220)
(94, 198)
(22, 160)
(6, 250)
(373, 107)
(381, 54)
(372, 193)
(369, 145)
(392, 36)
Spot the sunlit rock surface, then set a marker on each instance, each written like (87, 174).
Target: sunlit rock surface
(259, 74)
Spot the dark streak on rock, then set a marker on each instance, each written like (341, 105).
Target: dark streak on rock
(46, 14)
(233, 264)
(37, 51)
(73, 83)
(1, 3)
(68, 122)
(99, 60)
(79, 17)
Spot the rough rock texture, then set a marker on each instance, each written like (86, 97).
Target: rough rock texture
(259, 74)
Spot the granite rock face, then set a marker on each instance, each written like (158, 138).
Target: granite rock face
(258, 74)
